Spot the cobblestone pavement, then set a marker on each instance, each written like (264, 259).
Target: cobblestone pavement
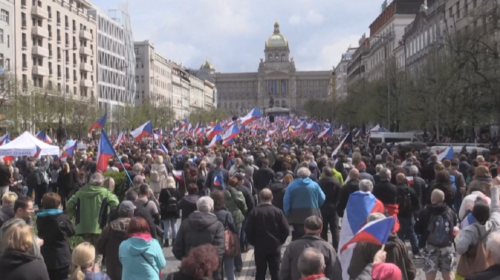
(248, 272)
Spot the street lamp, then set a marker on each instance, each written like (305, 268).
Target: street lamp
(386, 51)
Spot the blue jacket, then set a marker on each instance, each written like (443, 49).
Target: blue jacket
(133, 253)
(303, 198)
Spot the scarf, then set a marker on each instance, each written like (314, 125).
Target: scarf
(145, 236)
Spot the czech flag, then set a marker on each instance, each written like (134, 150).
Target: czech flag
(311, 127)
(309, 136)
(268, 140)
(376, 232)
(144, 130)
(4, 139)
(185, 123)
(359, 206)
(228, 142)
(334, 153)
(358, 133)
(327, 132)
(37, 152)
(231, 133)
(251, 116)
(162, 149)
(158, 136)
(469, 220)
(100, 123)
(104, 152)
(43, 137)
(183, 151)
(178, 175)
(200, 131)
(213, 143)
(217, 129)
(69, 149)
(446, 154)
(120, 138)
(217, 182)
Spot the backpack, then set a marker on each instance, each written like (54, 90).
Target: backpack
(171, 203)
(232, 242)
(440, 229)
(404, 200)
(453, 184)
(474, 260)
(154, 177)
(218, 176)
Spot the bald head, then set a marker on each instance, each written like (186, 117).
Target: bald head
(354, 174)
(401, 178)
(437, 196)
(266, 195)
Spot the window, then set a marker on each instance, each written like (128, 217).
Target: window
(450, 12)
(4, 15)
(458, 9)
(1, 61)
(1, 36)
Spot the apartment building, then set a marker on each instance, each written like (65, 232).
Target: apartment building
(153, 76)
(7, 35)
(57, 40)
(356, 68)
(341, 74)
(209, 95)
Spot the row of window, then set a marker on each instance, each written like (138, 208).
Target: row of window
(38, 82)
(276, 57)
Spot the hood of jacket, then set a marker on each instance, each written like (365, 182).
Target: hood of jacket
(92, 191)
(438, 209)
(137, 245)
(276, 187)
(392, 242)
(49, 212)
(120, 224)
(10, 260)
(201, 220)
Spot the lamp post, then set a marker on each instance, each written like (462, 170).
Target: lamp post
(386, 52)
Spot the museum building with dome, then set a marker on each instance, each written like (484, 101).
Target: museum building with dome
(276, 79)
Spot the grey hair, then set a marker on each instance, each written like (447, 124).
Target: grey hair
(365, 185)
(303, 172)
(137, 167)
(413, 170)
(205, 204)
(375, 216)
(379, 167)
(492, 243)
(385, 173)
(96, 179)
(311, 262)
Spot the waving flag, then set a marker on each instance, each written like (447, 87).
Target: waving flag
(179, 175)
(327, 132)
(162, 149)
(158, 136)
(228, 142)
(196, 129)
(268, 140)
(200, 131)
(213, 143)
(359, 206)
(4, 139)
(231, 133)
(446, 154)
(217, 129)
(376, 232)
(334, 153)
(100, 123)
(37, 154)
(43, 137)
(69, 149)
(119, 139)
(183, 151)
(357, 133)
(311, 127)
(185, 123)
(104, 153)
(144, 130)
(251, 116)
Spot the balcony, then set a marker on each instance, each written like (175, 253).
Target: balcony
(85, 35)
(39, 12)
(39, 31)
(86, 83)
(40, 70)
(86, 51)
(86, 67)
(40, 51)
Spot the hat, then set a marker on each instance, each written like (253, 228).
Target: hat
(361, 165)
(278, 176)
(386, 271)
(126, 206)
(313, 223)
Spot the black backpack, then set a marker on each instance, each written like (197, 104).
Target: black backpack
(440, 229)
(171, 205)
(404, 200)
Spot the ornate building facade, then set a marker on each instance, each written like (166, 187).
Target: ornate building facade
(276, 79)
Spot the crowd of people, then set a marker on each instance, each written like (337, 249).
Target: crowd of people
(232, 199)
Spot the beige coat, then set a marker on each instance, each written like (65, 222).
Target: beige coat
(156, 187)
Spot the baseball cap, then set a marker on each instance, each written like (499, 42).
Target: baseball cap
(313, 223)
(126, 206)
(278, 176)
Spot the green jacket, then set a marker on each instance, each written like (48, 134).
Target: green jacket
(85, 205)
(235, 204)
(35, 251)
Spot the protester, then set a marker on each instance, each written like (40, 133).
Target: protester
(141, 256)
(188, 203)
(4, 178)
(303, 198)
(493, 260)
(311, 265)
(18, 184)
(350, 186)
(199, 264)
(158, 176)
(218, 172)
(17, 261)
(443, 183)
(267, 230)
(407, 205)
(55, 228)
(278, 188)
(380, 270)
(109, 184)
(418, 184)
(84, 263)
(169, 210)
(481, 181)
(264, 176)
(312, 228)
(331, 188)
(111, 238)
(67, 182)
(7, 210)
(150, 205)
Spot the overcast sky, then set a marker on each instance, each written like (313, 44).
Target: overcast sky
(232, 33)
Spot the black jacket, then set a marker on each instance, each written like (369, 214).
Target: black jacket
(188, 205)
(345, 191)
(395, 172)
(386, 192)
(55, 231)
(15, 265)
(278, 189)
(263, 177)
(247, 193)
(492, 273)
(226, 219)
(165, 195)
(6, 213)
(424, 218)
(419, 186)
(4, 176)
(449, 193)
(198, 229)
(267, 228)
(408, 213)
(331, 188)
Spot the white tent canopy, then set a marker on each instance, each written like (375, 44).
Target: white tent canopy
(26, 145)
